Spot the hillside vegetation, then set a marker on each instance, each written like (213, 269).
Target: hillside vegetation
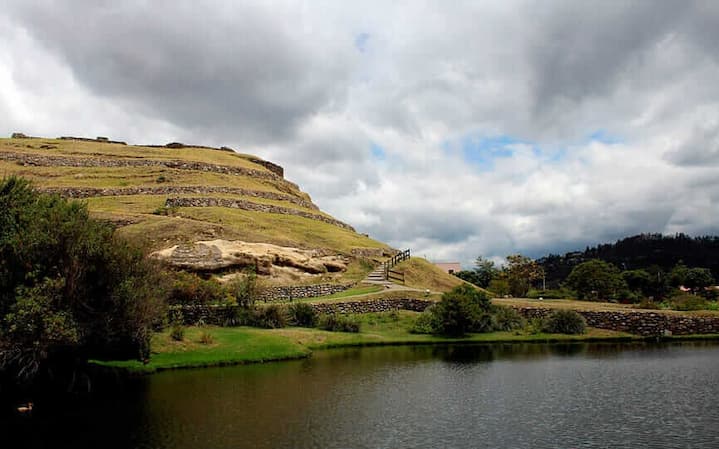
(421, 274)
(174, 195)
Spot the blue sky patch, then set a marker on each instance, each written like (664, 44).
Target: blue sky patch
(378, 152)
(482, 151)
(601, 135)
(361, 41)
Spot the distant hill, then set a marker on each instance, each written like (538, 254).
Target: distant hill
(639, 251)
(177, 195)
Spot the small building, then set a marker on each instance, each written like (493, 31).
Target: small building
(449, 267)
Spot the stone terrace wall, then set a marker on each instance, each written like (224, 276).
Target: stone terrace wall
(87, 192)
(248, 205)
(644, 323)
(222, 315)
(373, 306)
(62, 161)
(288, 293)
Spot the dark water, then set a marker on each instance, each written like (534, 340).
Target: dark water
(513, 396)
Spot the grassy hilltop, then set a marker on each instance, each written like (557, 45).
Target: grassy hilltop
(159, 195)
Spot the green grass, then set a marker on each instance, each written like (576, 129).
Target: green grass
(73, 148)
(133, 213)
(421, 274)
(249, 345)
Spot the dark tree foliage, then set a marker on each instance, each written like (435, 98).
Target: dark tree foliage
(69, 290)
(461, 310)
(639, 252)
(596, 280)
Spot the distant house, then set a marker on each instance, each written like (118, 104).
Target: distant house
(449, 267)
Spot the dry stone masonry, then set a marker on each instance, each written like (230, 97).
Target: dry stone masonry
(288, 293)
(250, 206)
(88, 192)
(62, 161)
(646, 323)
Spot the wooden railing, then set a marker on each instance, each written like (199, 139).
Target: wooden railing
(390, 274)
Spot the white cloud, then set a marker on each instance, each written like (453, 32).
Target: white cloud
(287, 81)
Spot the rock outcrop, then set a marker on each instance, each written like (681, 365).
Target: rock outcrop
(223, 255)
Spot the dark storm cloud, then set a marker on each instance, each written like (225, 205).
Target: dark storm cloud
(583, 49)
(245, 71)
(300, 84)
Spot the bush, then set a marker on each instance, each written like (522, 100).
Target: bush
(177, 332)
(189, 288)
(302, 314)
(565, 322)
(425, 323)
(206, 338)
(270, 317)
(686, 302)
(339, 323)
(244, 289)
(461, 310)
(507, 319)
(536, 325)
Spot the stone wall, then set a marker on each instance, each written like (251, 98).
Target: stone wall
(274, 168)
(248, 205)
(223, 315)
(42, 160)
(646, 323)
(288, 293)
(373, 306)
(87, 192)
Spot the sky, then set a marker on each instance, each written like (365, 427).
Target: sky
(456, 129)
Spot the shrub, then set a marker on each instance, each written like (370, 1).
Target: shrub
(302, 314)
(339, 323)
(425, 323)
(507, 319)
(686, 302)
(244, 289)
(177, 332)
(206, 338)
(189, 288)
(270, 317)
(536, 325)
(461, 310)
(565, 322)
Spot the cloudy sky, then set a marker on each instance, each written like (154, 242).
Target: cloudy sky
(456, 128)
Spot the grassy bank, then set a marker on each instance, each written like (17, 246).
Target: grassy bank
(250, 345)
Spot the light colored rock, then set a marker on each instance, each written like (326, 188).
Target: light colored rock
(216, 255)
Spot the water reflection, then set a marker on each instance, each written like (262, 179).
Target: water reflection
(507, 395)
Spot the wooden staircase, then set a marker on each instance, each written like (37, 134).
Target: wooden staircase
(384, 275)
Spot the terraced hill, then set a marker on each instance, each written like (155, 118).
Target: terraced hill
(200, 207)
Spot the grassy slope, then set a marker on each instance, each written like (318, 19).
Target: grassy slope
(422, 274)
(246, 345)
(135, 211)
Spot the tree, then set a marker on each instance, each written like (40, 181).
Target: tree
(461, 310)
(521, 271)
(69, 290)
(695, 279)
(639, 281)
(485, 271)
(596, 280)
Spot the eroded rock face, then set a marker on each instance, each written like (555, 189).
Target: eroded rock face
(219, 255)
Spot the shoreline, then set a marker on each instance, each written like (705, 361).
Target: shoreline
(243, 345)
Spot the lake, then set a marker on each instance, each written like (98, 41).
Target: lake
(515, 396)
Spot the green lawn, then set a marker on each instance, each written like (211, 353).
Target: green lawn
(250, 345)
